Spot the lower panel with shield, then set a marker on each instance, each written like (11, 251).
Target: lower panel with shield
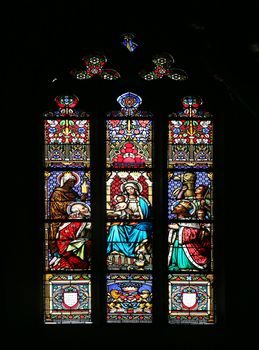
(67, 298)
(191, 299)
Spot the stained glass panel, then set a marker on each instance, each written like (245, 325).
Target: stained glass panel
(129, 235)
(193, 192)
(189, 131)
(123, 187)
(70, 247)
(64, 187)
(66, 134)
(129, 143)
(129, 245)
(67, 142)
(184, 156)
(190, 246)
(129, 298)
(191, 299)
(67, 298)
(190, 136)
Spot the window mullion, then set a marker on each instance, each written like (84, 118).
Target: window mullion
(98, 216)
(160, 304)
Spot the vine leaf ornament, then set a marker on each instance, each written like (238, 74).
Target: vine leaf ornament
(94, 66)
(163, 68)
(66, 108)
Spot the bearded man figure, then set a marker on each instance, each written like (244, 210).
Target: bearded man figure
(74, 239)
(61, 197)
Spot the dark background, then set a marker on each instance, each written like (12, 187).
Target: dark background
(218, 46)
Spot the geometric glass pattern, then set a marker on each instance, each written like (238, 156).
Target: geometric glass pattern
(94, 66)
(163, 68)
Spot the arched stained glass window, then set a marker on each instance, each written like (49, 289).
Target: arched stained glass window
(67, 278)
(129, 211)
(205, 299)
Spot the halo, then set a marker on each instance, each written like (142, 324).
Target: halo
(59, 177)
(69, 211)
(132, 183)
(191, 210)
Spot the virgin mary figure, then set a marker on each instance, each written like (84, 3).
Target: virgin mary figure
(132, 238)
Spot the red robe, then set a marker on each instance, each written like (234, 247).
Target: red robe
(195, 244)
(59, 201)
(67, 233)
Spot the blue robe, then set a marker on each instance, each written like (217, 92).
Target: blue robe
(125, 238)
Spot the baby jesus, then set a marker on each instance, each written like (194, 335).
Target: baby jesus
(121, 209)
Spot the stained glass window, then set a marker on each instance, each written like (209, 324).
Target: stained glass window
(129, 212)
(68, 227)
(130, 223)
(190, 214)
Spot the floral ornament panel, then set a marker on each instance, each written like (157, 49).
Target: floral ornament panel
(129, 298)
(66, 108)
(128, 41)
(192, 109)
(190, 136)
(95, 67)
(129, 141)
(59, 131)
(163, 68)
(132, 150)
(67, 135)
